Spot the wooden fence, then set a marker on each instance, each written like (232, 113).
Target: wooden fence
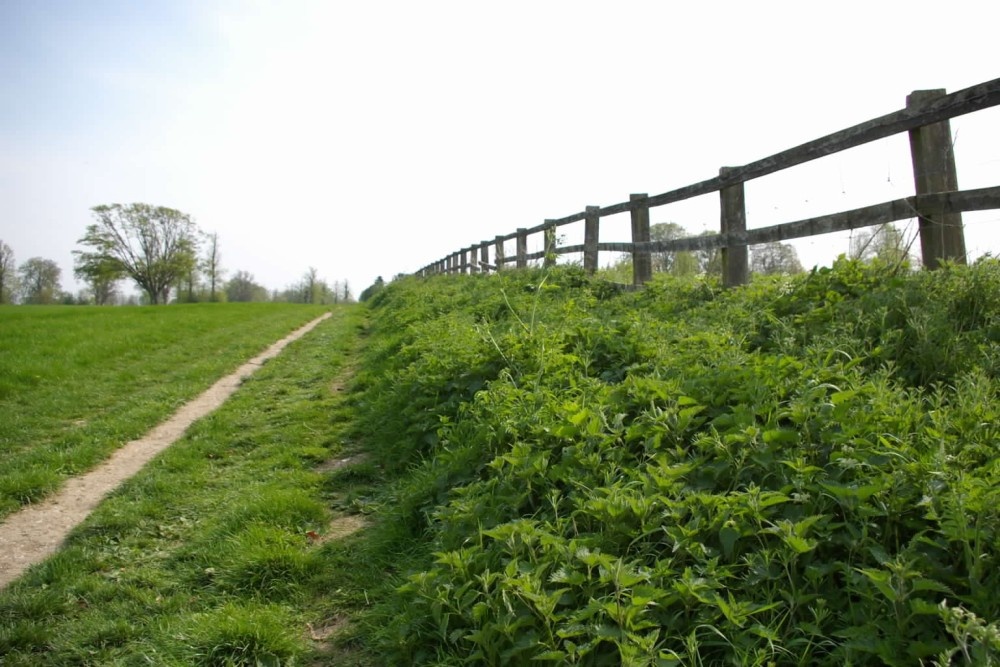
(938, 202)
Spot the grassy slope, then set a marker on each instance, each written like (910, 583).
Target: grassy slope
(803, 471)
(799, 472)
(206, 557)
(76, 383)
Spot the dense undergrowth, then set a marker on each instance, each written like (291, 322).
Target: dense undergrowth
(802, 471)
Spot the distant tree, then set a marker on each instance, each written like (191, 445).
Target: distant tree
(665, 231)
(40, 281)
(187, 289)
(312, 291)
(773, 258)
(685, 264)
(153, 245)
(8, 274)
(242, 287)
(100, 273)
(886, 242)
(709, 261)
(211, 265)
(372, 289)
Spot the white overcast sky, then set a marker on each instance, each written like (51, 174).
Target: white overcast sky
(372, 137)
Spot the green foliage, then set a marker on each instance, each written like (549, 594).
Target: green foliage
(39, 281)
(8, 274)
(154, 245)
(801, 471)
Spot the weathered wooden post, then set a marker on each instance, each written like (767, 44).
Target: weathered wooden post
(522, 247)
(498, 252)
(941, 234)
(484, 256)
(591, 234)
(550, 244)
(474, 259)
(463, 266)
(735, 269)
(642, 262)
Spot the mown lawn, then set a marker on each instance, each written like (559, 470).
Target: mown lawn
(77, 383)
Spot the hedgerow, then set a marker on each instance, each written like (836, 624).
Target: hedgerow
(801, 471)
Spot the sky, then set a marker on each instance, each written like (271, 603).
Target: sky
(371, 138)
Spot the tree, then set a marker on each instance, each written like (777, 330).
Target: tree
(372, 289)
(242, 287)
(8, 274)
(709, 261)
(100, 273)
(211, 265)
(685, 264)
(665, 231)
(186, 286)
(885, 242)
(773, 258)
(155, 246)
(312, 290)
(40, 281)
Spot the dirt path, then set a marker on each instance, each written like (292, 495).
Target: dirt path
(33, 533)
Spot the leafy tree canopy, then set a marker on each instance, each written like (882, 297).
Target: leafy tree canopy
(153, 245)
(40, 281)
(8, 274)
(773, 258)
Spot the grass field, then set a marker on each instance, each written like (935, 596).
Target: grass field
(803, 471)
(216, 553)
(76, 383)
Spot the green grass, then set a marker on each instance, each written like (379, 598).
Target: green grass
(801, 471)
(208, 556)
(76, 383)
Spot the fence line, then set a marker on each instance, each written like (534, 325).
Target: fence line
(938, 203)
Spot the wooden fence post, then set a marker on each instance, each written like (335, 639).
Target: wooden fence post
(642, 264)
(474, 259)
(522, 247)
(735, 269)
(484, 256)
(550, 244)
(591, 234)
(941, 234)
(498, 252)
(463, 266)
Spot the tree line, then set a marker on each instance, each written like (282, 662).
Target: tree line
(163, 252)
(885, 242)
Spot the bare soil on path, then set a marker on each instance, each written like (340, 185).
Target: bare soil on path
(35, 532)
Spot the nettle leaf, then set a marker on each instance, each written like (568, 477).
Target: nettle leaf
(728, 537)
(799, 544)
(551, 656)
(781, 436)
(882, 580)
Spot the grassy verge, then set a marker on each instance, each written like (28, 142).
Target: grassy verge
(800, 472)
(76, 383)
(219, 552)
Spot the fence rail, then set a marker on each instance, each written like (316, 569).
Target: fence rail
(938, 203)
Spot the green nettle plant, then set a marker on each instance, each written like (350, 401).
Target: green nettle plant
(799, 472)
